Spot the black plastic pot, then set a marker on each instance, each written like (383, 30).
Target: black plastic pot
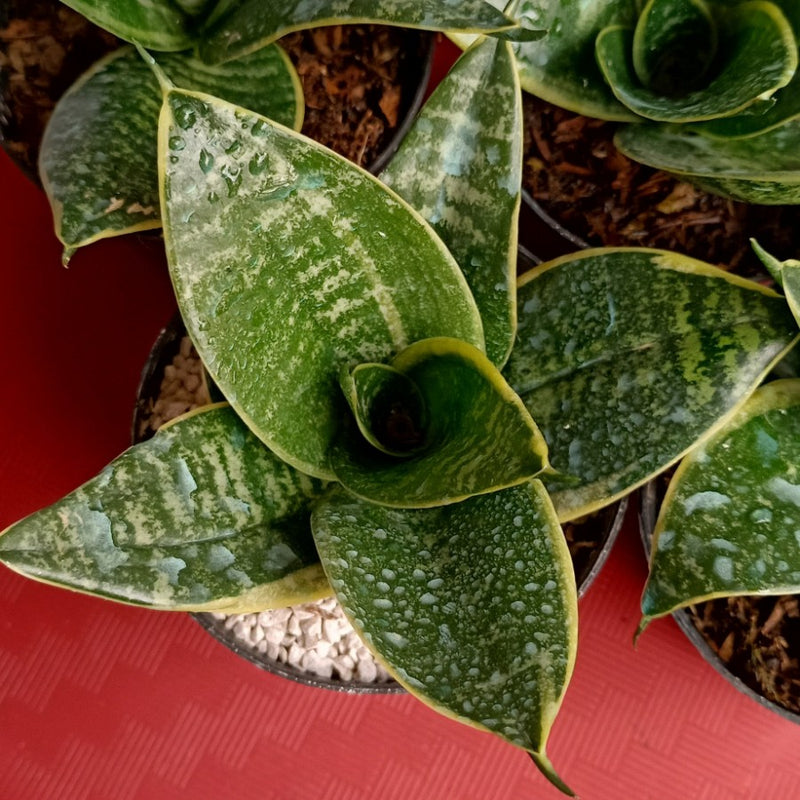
(650, 498)
(57, 45)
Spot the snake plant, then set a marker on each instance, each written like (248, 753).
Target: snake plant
(708, 91)
(406, 424)
(109, 118)
(730, 521)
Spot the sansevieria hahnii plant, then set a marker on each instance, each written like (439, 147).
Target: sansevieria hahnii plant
(406, 424)
(109, 118)
(708, 91)
(729, 524)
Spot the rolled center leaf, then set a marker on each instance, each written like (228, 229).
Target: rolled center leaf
(444, 407)
(388, 408)
(674, 45)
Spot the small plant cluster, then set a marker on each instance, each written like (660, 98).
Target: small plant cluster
(406, 423)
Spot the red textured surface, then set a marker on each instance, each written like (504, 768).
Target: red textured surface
(101, 701)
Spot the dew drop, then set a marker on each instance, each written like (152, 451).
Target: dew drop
(206, 161)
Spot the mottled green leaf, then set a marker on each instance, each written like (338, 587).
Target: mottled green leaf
(758, 54)
(760, 117)
(195, 8)
(388, 408)
(762, 169)
(730, 523)
(290, 263)
(473, 606)
(786, 274)
(200, 517)
(627, 357)
(767, 113)
(98, 158)
(561, 67)
(674, 44)
(477, 435)
(460, 166)
(157, 24)
(249, 24)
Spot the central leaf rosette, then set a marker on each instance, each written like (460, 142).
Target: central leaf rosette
(689, 61)
(435, 426)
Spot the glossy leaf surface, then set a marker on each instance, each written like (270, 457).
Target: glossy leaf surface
(460, 166)
(156, 24)
(388, 408)
(627, 357)
(763, 169)
(729, 523)
(200, 517)
(472, 606)
(99, 154)
(786, 275)
(290, 263)
(561, 66)
(249, 24)
(477, 435)
(758, 56)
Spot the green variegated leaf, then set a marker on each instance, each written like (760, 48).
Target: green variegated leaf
(786, 274)
(460, 166)
(765, 114)
(762, 169)
(290, 263)
(472, 606)
(249, 24)
(561, 66)
(674, 44)
(195, 8)
(472, 435)
(388, 408)
(156, 24)
(758, 55)
(200, 517)
(98, 158)
(730, 523)
(627, 357)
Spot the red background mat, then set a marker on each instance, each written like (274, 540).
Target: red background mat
(104, 701)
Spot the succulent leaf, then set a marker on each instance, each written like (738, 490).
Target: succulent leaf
(674, 44)
(561, 66)
(471, 433)
(472, 606)
(200, 517)
(246, 25)
(290, 263)
(758, 56)
(156, 24)
(729, 523)
(627, 357)
(786, 275)
(99, 158)
(763, 169)
(460, 166)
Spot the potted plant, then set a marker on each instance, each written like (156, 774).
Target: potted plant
(406, 424)
(724, 543)
(640, 133)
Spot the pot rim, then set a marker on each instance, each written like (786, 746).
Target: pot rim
(648, 513)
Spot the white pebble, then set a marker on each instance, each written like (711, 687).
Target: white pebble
(367, 671)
